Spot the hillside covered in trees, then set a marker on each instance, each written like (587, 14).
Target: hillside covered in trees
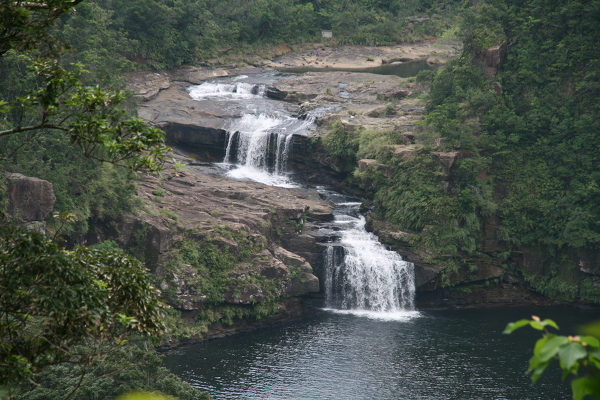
(524, 132)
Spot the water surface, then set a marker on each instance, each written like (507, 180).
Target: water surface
(437, 355)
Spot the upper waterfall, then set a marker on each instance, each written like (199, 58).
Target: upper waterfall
(259, 142)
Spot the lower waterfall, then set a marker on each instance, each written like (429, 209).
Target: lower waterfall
(361, 275)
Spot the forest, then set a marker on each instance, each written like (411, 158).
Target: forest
(526, 135)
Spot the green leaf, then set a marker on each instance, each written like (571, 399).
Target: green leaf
(513, 326)
(551, 347)
(571, 353)
(550, 322)
(540, 344)
(536, 325)
(582, 387)
(537, 368)
(590, 341)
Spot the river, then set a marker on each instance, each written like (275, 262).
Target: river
(366, 340)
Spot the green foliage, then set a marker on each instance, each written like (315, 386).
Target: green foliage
(24, 26)
(211, 265)
(52, 300)
(377, 145)
(577, 355)
(162, 34)
(89, 116)
(107, 245)
(133, 366)
(526, 140)
(341, 143)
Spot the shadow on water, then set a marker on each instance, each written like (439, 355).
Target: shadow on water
(403, 70)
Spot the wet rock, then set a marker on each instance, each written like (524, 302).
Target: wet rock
(276, 94)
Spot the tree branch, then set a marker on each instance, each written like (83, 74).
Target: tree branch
(33, 128)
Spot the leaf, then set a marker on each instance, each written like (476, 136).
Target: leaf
(513, 326)
(582, 387)
(550, 322)
(536, 325)
(551, 347)
(571, 353)
(537, 368)
(590, 341)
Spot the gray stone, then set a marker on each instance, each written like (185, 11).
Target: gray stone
(30, 199)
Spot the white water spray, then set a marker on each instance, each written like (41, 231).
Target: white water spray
(362, 276)
(237, 90)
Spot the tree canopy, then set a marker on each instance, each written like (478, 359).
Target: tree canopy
(53, 301)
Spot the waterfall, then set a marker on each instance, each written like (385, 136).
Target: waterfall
(258, 142)
(361, 275)
(237, 90)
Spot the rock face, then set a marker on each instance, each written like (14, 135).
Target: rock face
(200, 205)
(146, 86)
(437, 52)
(492, 58)
(30, 199)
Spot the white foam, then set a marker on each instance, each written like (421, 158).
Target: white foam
(403, 315)
(238, 90)
(261, 176)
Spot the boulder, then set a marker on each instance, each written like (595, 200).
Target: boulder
(287, 257)
(30, 199)
(276, 94)
(304, 283)
(405, 151)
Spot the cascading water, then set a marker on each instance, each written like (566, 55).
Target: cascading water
(362, 276)
(259, 141)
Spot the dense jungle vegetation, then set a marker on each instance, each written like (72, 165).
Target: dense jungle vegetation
(524, 191)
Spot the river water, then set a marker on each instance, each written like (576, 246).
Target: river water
(441, 355)
(366, 341)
